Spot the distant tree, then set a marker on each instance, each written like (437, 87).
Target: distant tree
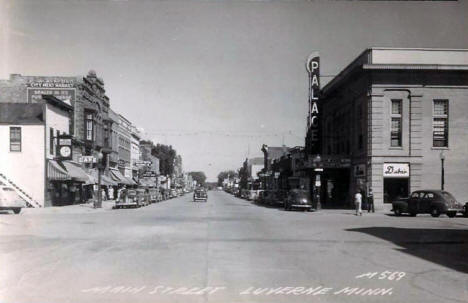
(198, 176)
(225, 174)
(166, 155)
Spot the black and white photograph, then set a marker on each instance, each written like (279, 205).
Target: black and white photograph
(233, 151)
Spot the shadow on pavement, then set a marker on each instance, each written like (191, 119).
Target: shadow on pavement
(446, 247)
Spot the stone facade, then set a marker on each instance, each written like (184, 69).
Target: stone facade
(386, 111)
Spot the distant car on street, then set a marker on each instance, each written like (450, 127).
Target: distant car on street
(298, 199)
(10, 200)
(465, 209)
(200, 195)
(434, 202)
(127, 198)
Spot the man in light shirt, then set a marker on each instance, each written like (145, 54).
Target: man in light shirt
(358, 202)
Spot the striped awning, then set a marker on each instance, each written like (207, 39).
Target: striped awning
(77, 173)
(105, 180)
(56, 172)
(119, 178)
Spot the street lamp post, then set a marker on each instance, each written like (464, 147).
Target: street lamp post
(98, 203)
(442, 173)
(317, 184)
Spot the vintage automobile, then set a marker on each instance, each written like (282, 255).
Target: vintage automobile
(434, 202)
(127, 198)
(298, 199)
(154, 195)
(200, 195)
(465, 210)
(143, 197)
(10, 200)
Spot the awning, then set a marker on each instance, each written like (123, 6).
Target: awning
(108, 181)
(76, 173)
(105, 180)
(56, 172)
(119, 178)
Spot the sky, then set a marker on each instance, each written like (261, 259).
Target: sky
(214, 79)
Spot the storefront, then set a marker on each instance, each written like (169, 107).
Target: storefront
(396, 181)
(67, 183)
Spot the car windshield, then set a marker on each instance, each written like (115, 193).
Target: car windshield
(300, 194)
(448, 196)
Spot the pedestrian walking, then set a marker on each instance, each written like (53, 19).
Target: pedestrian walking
(358, 202)
(370, 201)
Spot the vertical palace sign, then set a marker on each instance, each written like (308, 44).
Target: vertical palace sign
(313, 123)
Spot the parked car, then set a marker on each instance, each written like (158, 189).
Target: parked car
(154, 195)
(127, 198)
(465, 209)
(143, 197)
(10, 200)
(298, 199)
(260, 196)
(200, 195)
(434, 202)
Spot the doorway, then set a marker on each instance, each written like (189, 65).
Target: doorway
(395, 188)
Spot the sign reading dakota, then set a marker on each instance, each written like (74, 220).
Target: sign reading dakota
(396, 170)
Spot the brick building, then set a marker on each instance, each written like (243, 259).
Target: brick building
(388, 118)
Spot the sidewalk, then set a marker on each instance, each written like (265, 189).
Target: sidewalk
(69, 209)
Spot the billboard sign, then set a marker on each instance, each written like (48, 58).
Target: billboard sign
(61, 88)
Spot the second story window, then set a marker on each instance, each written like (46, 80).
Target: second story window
(89, 126)
(15, 139)
(395, 132)
(440, 123)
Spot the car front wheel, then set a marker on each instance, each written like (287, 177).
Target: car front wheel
(397, 211)
(435, 212)
(451, 214)
(17, 210)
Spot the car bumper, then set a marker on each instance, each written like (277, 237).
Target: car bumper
(301, 205)
(126, 203)
(455, 209)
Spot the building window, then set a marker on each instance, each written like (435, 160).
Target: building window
(395, 131)
(15, 139)
(89, 127)
(440, 124)
(51, 140)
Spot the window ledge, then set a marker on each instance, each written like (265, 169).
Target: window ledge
(395, 148)
(440, 148)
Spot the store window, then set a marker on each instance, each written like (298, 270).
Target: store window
(395, 132)
(440, 123)
(15, 139)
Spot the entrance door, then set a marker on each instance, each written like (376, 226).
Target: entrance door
(395, 188)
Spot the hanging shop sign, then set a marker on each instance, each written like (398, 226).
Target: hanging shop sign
(87, 159)
(396, 170)
(64, 147)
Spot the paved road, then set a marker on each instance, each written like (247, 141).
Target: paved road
(230, 250)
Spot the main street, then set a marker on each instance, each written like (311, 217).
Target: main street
(229, 250)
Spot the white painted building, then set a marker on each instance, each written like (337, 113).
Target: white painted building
(28, 145)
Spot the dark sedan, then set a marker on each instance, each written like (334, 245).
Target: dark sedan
(298, 199)
(200, 195)
(434, 202)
